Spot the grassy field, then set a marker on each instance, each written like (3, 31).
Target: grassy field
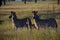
(8, 33)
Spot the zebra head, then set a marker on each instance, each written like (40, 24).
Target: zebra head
(12, 15)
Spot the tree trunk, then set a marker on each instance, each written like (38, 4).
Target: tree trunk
(25, 1)
(4, 1)
(35, 1)
(0, 2)
(58, 2)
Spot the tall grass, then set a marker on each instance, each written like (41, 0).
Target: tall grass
(8, 33)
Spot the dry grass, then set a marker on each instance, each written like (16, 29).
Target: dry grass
(8, 33)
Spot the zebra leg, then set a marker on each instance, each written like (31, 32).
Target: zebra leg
(14, 27)
(28, 23)
(27, 26)
(35, 24)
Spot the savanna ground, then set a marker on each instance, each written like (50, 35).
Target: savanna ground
(25, 10)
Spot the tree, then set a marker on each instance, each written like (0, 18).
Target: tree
(58, 2)
(4, 2)
(35, 1)
(25, 1)
(0, 2)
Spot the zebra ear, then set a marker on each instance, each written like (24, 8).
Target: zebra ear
(12, 12)
(36, 12)
(32, 11)
(10, 16)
